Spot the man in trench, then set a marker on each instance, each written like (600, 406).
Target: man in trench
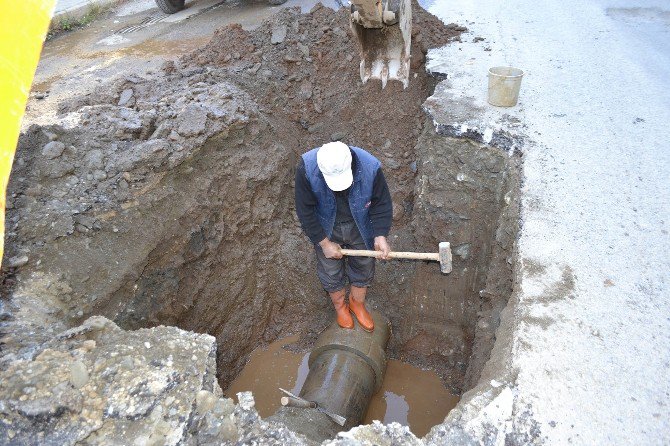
(342, 200)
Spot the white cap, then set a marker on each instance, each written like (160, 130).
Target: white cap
(334, 160)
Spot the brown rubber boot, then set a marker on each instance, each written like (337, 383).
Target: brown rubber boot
(357, 306)
(344, 318)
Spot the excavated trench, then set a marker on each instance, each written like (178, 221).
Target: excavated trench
(194, 225)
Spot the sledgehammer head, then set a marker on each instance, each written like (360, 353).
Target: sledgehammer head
(445, 257)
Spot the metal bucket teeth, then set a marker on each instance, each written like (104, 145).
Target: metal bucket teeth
(385, 52)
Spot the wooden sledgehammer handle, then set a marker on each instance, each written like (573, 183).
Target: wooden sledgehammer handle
(297, 402)
(392, 255)
(292, 400)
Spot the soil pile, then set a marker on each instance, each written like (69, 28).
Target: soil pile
(167, 199)
(303, 70)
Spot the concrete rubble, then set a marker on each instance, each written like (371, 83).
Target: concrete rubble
(98, 384)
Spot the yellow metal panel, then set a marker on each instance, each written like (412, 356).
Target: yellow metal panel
(23, 28)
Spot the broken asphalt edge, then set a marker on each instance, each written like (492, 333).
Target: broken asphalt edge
(80, 10)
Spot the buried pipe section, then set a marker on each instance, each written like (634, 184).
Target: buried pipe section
(346, 367)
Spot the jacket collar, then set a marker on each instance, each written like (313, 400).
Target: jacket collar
(355, 166)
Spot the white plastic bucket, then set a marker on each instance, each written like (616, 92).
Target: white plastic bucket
(504, 85)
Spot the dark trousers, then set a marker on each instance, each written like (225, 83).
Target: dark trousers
(334, 273)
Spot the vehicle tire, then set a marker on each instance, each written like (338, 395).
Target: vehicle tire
(170, 6)
(276, 2)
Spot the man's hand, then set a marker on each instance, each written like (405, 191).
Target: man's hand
(381, 244)
(330, 249)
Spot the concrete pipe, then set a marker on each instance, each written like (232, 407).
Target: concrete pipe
(370, 347)
(346, 367)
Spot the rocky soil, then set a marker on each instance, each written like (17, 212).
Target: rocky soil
(166, 199)
(97, 384)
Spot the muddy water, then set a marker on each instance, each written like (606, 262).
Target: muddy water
(409, 395)
(268, 370)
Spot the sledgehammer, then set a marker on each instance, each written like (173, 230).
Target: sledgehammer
(443, 256)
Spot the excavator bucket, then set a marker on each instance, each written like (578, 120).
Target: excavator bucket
(384, 32)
